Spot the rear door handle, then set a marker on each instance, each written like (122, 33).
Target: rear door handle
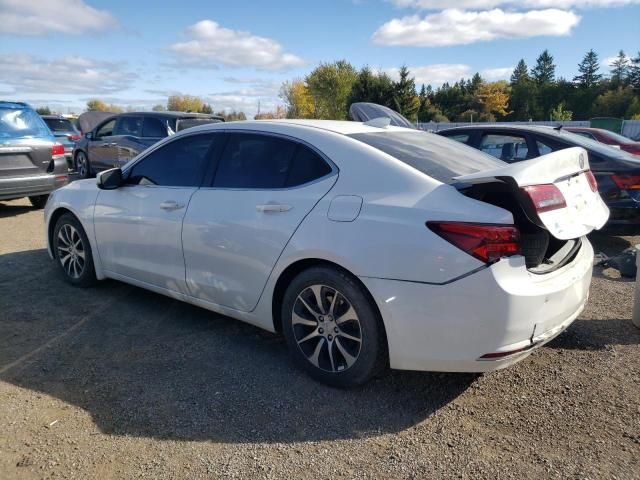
(273, 208)
(171, 205)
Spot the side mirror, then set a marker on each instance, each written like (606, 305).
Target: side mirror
(89, 135)
(109, 179)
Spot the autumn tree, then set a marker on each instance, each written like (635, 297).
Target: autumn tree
(184, 103)
(298, 100)
(494, 97)
(330, 86)
(96, 105)
(279, 112)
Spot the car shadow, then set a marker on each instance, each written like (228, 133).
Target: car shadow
(145, 365)
(12, 210)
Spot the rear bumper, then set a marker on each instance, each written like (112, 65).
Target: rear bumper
(32, 185)
(498, 309)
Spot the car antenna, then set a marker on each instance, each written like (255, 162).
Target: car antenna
(559, 127)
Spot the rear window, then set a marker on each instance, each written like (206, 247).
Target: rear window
(22, 123)
(437, 156)
(185, 123)
(59, 124)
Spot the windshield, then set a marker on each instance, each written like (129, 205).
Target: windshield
(597, 147)
(616, 137)
(437, 156)
(59, 124)
(21, 123)
(185, 123)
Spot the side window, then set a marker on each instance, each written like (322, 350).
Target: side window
(154, 127)
(460, 137)
(585, 134)
(307, 166)
(106, 130)
(254, 161)
(180, 163)
(543, 148)
(129, 126)
(508, 148)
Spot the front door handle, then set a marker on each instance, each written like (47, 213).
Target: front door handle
(171, 205)
(273, 208)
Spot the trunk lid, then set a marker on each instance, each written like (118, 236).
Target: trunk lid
(23, 157)
(568, 171)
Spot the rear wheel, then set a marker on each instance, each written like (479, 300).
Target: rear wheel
(39, 201)
(73, 251)
(82, 165)
(333, 330)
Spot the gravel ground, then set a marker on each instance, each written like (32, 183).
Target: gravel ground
(117, 382)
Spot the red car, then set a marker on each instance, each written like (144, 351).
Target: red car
(610, 138)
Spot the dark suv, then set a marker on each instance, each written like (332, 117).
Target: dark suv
(32, 163)
(121, 137)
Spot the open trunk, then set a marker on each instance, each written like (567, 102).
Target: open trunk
(553, 199)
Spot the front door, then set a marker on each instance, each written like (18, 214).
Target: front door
(138, 226)
(102, 147)
(236, 229)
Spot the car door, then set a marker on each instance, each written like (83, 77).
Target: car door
(101, 147)
(235, 229)
(138, 226)
(126, 136)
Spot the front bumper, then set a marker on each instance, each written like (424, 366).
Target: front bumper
(501, 308)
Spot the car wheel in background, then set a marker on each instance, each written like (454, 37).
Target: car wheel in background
(82, 165)
(73, 252)
(39, 201)
(332, 328)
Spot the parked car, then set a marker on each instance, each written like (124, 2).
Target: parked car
(65, 133)
(32, 163)
(354, 240)
(617, 172)
(119, 138)
(608, 137)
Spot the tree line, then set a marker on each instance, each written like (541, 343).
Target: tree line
(531, 93)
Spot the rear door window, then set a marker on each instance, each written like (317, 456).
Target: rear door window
(508, 148)
(185, 123)
(106, 130)
(460, 137)
(129, 126)
(59, 124)
(154, 127)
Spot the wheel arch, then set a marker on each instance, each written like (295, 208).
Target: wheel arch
(53, 219)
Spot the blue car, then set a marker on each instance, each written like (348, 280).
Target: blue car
(65, 133)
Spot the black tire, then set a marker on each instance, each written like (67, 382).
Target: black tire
(82, 164)
(63, 236)
(331, 366)
(39, 201)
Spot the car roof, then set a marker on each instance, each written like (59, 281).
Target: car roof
(524, 128)
(55, 117)
(10, 104)
(169, 114)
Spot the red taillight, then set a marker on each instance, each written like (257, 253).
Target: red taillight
(74, 137)
(487, 243)
(592, 180)
(627, 182)
(58, 149)
(545, 197)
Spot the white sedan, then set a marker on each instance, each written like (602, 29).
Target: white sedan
(368, 246)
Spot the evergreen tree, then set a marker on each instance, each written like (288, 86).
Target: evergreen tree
(588, 69)
(520, 73)
(522, 87)
(619, 70)
(634, 72)
(404, 94)
(544, 72)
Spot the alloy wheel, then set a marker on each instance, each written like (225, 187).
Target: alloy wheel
(326, 328)
(71, 251)
(81, 164)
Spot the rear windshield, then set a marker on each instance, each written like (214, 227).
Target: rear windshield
(21, 123)
(59, 124)
(185, 123)
(437, 156)
(593, 145)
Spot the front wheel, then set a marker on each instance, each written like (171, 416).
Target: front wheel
(73, 251)
(332, 328)
(82, 165)
(39, 201)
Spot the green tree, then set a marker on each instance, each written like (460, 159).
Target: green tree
(634, 73)
(405, 99)
(330, 85)
(43, 110)
(206, 108)
(98, 105)
(620, 70)
(158, 108)
(560, 114)
(184, 103)
(544, 72)
(613, 103)
(372, 87)
(588, 68)
(521, 101)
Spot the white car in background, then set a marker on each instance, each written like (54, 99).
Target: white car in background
(367, 245)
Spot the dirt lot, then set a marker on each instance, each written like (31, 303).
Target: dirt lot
(116, 382)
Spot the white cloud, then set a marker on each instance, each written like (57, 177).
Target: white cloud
(436, 74)
(69, 75)
(457, 27)
(484, 4)
(40, 17)
(211, 45)
(501, 73)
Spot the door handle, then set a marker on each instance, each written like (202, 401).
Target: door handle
(273, 208)
(105, 145)
(171, 205)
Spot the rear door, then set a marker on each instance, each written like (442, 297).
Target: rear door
(127, 137)
(559, 188)
(236, 229)
(102, 147)
(25, 142)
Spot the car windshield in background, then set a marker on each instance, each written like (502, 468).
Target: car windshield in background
(438, 157)
(59, 124)
(616, 137)
(600, 148)
(185, 123)
(21, 123)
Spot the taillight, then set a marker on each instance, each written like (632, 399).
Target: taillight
(627, 182)
(485, 242)
(74, 137)
(545, 197)
(592, 180)
(58, 149)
